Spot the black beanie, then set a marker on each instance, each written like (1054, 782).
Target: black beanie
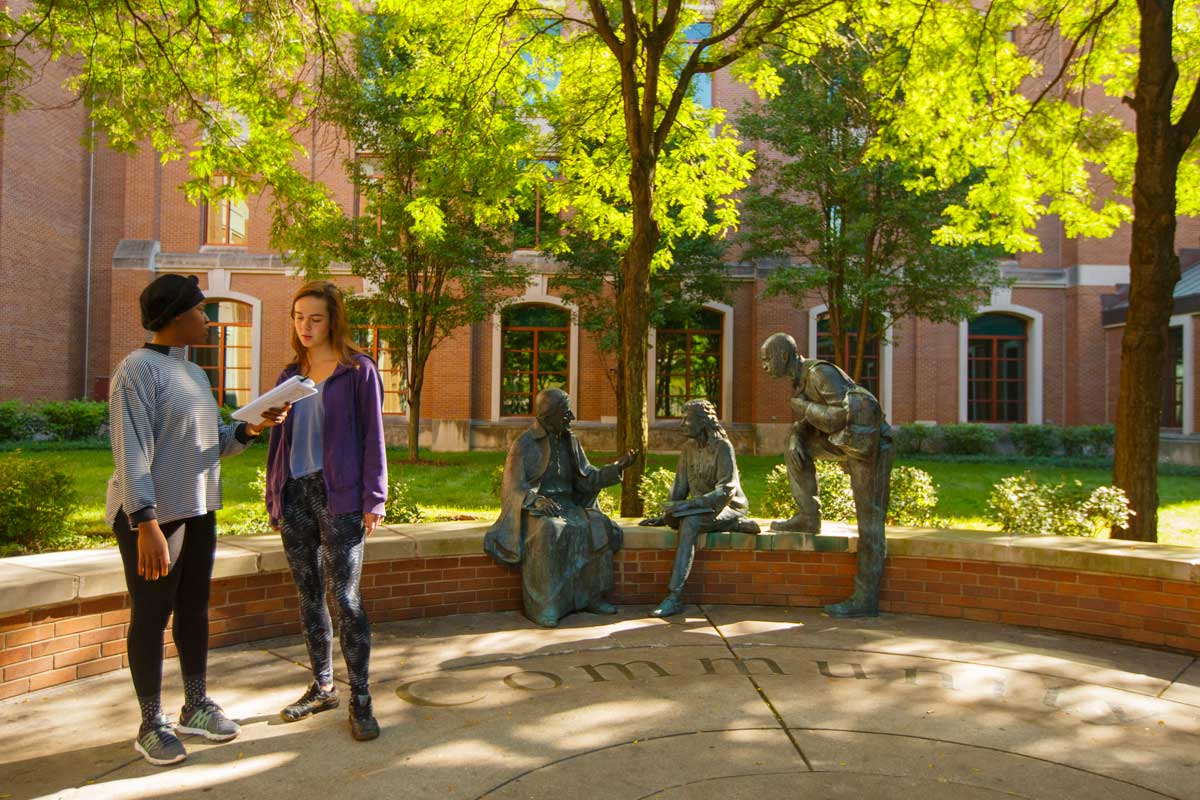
(167, 297)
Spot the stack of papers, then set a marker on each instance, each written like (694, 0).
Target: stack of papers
(294, 389)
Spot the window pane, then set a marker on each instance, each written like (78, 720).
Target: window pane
(997, 325)
(979, 348)
(1010, 348)
(552, 340)
(516, 405)
(518, 361)
(534, 315)
(518, 340)
(215, 233)
(552, 362)
(239, 216)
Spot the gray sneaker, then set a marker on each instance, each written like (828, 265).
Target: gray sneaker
(207, 719)
(158, 744)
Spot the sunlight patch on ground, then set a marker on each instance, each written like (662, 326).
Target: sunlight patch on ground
(749, 627)
(188, 777)
(594, 725)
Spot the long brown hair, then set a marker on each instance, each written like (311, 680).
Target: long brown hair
(339, 325)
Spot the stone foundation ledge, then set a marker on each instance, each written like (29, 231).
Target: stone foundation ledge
(53, 578)
(64, 616)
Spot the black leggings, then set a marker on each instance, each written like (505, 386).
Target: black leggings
(184, 590)
(320, 544)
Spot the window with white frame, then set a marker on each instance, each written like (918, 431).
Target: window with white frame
(997, 368)
(535, 354)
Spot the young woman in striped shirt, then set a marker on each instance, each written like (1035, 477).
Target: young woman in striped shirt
(326, 487)
(167, 438)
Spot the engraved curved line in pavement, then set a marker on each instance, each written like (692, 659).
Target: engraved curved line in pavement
(721, 645)
(656, 792)
(1002, 751)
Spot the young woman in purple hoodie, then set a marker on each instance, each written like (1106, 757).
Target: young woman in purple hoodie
(326, 487)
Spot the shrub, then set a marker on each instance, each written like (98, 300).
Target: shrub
(609, 502)
(401, 506)
(497, 480)
(967, 439)
(833, 486)
(1019, 504)
(913, 498)
(833, 489)
(1035, 440)
(16, 421)
(777, 500)
(73, 419)
(655, 489)
(37, 503)
(910, 439)
(1089, 440)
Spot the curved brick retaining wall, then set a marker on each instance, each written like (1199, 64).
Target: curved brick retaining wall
(64, 616)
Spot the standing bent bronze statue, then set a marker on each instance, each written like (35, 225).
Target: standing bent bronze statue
(838, 420)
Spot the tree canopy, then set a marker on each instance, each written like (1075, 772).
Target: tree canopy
(845, 227)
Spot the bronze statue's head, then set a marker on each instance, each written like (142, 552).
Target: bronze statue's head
(779, 355)
(699, 418)
(553, 409)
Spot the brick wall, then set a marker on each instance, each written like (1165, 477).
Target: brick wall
(50, 646)
(43, 243)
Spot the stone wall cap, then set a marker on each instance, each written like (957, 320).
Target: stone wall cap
(54, 578)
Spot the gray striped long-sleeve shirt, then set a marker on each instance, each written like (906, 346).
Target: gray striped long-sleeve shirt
(167, 439)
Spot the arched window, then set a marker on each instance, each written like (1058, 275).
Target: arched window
(869, 377)
(535, 354)
(381, 344)
(1172, 383)
(997, 369)
(227, 355)
(687, 363)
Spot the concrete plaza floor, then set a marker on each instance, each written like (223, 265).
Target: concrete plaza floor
(720, 702)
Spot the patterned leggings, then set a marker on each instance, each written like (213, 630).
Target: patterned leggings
(318, 544)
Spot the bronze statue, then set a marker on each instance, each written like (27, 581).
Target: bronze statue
(706, 496)
(549, 524)
(839, 420)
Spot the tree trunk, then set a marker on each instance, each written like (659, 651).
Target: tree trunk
(619, 389)
(416, 384)
(1154, 271)
(634, 300)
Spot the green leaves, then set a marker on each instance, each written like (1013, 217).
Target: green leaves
(1034, 116)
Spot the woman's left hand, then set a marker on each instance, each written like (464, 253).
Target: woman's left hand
(370, 521)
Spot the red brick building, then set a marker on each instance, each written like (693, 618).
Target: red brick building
(82, 233)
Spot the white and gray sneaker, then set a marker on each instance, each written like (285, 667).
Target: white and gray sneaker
(158, 744)
(207, 719)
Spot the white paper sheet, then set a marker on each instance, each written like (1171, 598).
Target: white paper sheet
(292, 390)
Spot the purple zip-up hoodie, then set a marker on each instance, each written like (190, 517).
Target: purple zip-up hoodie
(353, 456)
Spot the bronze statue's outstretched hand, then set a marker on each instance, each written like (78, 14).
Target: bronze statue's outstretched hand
(653, 522)
(625, 460)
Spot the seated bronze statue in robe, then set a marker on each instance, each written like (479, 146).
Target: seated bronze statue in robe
(549, 524)
(706, 495)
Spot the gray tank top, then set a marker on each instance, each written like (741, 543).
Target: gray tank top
(308, 424)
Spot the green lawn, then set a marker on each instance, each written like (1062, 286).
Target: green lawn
(460, 484)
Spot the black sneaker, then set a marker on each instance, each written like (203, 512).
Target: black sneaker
(363, 725)
(314, 701)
